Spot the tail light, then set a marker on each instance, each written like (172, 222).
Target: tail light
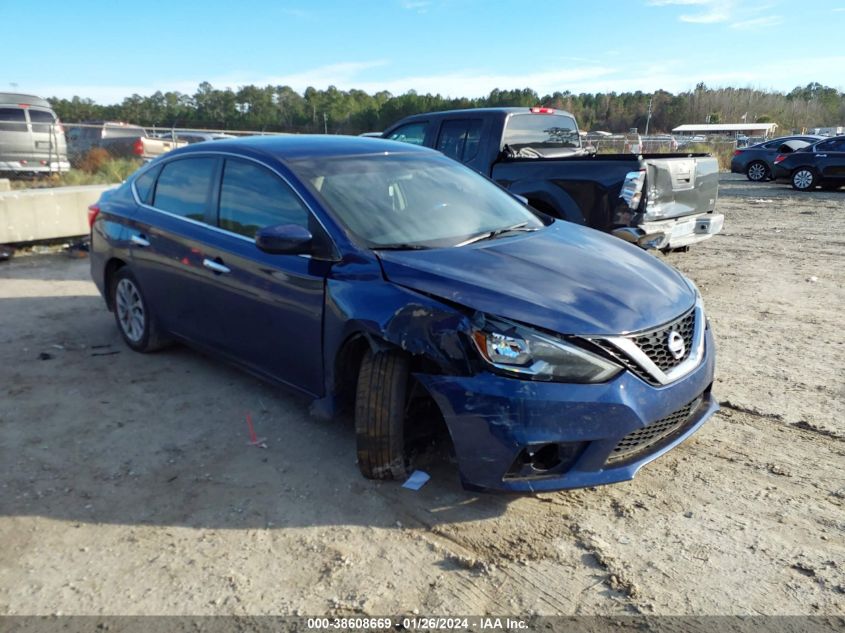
(93, 212)
(632, 188)
(737, 152)
(138, 148)
(780, 158)
(543, 110)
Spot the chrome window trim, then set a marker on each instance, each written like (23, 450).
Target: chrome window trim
(218, 154)
(627, 346)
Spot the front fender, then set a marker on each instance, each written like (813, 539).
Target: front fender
(361, 303)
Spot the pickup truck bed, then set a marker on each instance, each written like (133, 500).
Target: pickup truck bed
(120, 140)
(664, 201)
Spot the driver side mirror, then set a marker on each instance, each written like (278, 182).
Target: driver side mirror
(284, 239)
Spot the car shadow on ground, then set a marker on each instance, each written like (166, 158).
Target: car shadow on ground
(93, 432)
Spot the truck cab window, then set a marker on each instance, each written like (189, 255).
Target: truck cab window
(460, 139)
(413, 133)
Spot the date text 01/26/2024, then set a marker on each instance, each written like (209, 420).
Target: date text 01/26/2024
(416, 623)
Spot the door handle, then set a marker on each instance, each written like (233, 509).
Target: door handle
(139, 240)
(217, 267)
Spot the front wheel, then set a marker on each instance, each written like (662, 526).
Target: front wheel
(803, 179)
(380, 407)
(135, 321)
(757, 172)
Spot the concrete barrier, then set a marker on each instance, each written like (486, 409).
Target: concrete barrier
(29, 215)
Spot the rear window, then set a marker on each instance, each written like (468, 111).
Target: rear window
(12, 120)
(541, 130)
(42, 121)
(184, 187)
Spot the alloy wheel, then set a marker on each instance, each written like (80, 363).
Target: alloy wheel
(130, 310)
(803, 179)
(757, 172)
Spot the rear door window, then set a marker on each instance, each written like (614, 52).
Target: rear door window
(459, 139)
(252, 198)
(413, 133)
(184, 187)
(12, 120)
(42, 121)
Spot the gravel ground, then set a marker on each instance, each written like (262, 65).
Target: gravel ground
(127, 485)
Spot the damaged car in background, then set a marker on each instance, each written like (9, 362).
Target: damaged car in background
(391, 281)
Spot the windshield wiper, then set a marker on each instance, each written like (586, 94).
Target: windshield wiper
(400, 247)
(492, 235)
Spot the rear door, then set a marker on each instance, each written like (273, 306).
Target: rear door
(15, 138)
(47, 136)
(267, 309)
(168, 237)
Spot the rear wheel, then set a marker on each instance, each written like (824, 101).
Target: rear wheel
(135, 321)
(803, 179)
(380, 408)
(757, 171)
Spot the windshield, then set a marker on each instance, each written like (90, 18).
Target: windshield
(541, 130)
(407, 201)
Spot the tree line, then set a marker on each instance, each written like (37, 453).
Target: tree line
(282, 109)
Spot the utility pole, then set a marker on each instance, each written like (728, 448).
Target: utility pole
(325, 123)
(648, 118)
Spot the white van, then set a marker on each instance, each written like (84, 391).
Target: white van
(32, 140)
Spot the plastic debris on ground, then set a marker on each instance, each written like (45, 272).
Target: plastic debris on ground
(417, 480)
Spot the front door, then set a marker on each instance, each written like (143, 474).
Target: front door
(267, 309)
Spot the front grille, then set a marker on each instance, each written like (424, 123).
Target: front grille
(638, 441)
(654, 344)
(626, 362)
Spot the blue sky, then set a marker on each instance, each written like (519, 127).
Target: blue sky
(107, 51)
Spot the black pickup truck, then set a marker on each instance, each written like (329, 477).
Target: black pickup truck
(663, 201)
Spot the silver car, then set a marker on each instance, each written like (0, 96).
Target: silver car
(32, 140)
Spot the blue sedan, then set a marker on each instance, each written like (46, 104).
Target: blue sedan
(388, 280)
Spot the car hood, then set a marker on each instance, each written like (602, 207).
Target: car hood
(564, 278)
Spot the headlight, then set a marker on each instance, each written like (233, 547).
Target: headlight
(523, 352)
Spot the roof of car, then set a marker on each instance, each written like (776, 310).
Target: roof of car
(17, 98)
(299, 146)
(502, 110)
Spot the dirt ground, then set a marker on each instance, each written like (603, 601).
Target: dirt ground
(127, 486)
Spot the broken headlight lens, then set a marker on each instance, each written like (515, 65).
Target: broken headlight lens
(524, 352)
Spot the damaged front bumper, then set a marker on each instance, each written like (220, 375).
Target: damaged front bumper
(522, 436)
